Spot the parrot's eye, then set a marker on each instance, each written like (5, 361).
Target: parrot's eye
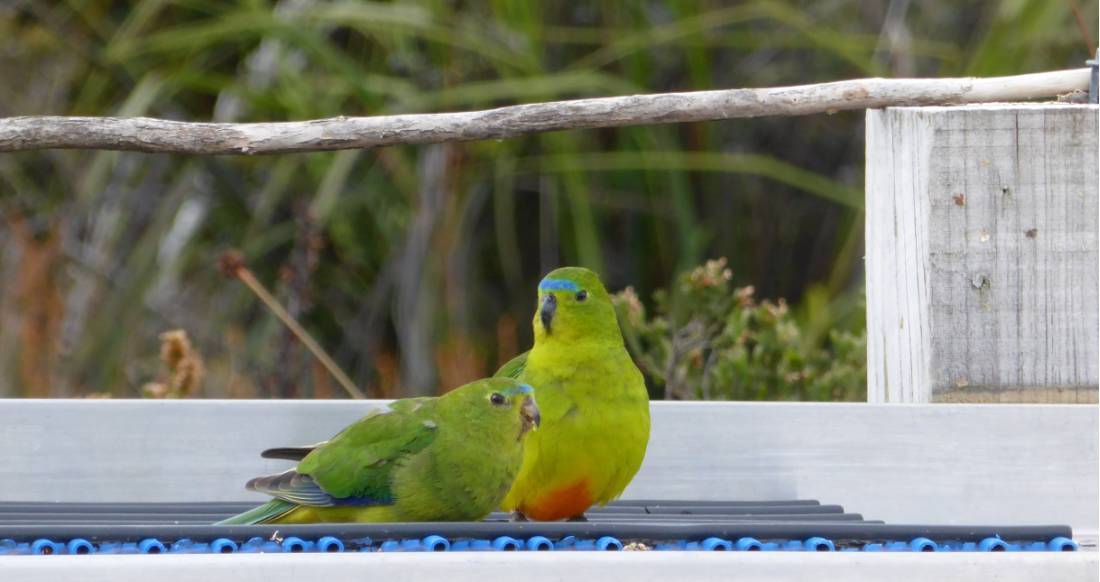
(582, 295)
(497, 398)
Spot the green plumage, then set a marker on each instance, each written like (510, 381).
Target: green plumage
(265, 513)
(449, 458)
(513, 368)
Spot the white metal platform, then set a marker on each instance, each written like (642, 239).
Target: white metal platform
(558, 566)
(940, 463)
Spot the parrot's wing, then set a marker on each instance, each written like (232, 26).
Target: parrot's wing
(406, 405)
(513, 368)
(294, 487)
(299, 453)
(355, 466)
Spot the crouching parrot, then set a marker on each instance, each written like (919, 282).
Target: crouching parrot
(595, 408)
(447, 458)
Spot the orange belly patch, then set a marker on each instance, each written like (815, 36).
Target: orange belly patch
(560, 503)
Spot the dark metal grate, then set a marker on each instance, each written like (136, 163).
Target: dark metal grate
(669, 524)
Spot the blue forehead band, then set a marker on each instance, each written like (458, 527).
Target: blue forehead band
(558, 285)
(521, 389)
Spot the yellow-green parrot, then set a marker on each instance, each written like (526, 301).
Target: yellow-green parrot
(594, 404)
(450, 458)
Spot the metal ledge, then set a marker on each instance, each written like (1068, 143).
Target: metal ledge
(536, 567)
(943, 464)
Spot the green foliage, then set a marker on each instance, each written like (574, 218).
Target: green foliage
(707, 341)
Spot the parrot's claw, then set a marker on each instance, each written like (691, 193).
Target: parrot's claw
(518, 516)
(578, 517)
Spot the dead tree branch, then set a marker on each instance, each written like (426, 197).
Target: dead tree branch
(144, 134)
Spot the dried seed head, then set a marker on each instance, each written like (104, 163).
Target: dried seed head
(744, 296)
(231, 262)
(184, 366)
(175, 346)
(635, 311)
(711, 274)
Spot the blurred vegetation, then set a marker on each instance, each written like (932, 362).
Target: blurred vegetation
(183, 368)
(416, 266)
(706, 340)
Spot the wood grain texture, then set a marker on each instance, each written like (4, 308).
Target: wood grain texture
(982, 239)
(942, 463)
(163, 136)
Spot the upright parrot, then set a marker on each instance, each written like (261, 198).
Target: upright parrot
(449, 458)
(594, 404)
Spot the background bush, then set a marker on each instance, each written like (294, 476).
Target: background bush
(707, 340)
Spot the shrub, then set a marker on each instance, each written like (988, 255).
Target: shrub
(707, 341)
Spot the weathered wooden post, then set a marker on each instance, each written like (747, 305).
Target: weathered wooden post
(982, 255)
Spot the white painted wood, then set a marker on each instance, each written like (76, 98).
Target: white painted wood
(982, 237)
(557, 566)
(158, 135)
(944, 463)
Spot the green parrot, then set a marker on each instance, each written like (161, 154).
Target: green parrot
(447, 458)
(593, 399)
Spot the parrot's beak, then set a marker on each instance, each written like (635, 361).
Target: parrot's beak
(547, 309)
(529, 411)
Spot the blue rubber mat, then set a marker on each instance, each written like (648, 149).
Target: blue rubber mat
(782, 525)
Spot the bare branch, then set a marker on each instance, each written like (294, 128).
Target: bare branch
(162, 136)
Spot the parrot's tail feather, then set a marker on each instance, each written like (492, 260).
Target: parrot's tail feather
(265, 513)
(288, 453)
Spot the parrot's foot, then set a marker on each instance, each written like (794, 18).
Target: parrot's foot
(518, 516)
(578, 517)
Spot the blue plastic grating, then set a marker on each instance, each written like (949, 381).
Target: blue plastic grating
(791, 525)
